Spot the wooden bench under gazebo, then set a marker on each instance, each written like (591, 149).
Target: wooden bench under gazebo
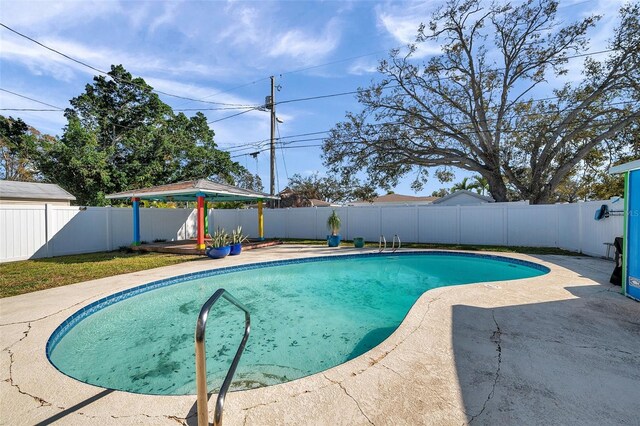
(201, 191)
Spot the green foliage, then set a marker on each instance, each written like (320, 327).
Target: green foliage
(440, 192)
(329, 188)
(121, 136)
(472, 107)
(334, 223)
(464, 185)
(17, 150)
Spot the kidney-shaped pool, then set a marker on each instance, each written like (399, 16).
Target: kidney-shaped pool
(307, 315)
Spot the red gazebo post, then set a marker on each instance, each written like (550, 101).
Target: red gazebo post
(200, 245)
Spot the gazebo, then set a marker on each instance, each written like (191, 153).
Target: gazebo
(202, 191)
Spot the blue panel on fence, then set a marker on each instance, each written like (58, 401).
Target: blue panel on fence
(633, 236)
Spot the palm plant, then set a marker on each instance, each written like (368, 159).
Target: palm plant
(333, 223)
(481, 184)
(462, 186)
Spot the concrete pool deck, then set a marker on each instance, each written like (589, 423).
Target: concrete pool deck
(562, 348)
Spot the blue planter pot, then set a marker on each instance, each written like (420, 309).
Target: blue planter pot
(218, 252)
(358, 242)
(333, 240)
(236, 249)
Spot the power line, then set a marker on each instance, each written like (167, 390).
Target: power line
(256, 144)
(31, 99)
(103, 71)
(290, 144)
(31, 109)
(331, 95)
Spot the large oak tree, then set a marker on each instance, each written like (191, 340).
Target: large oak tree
(121, 136)
(473, 106)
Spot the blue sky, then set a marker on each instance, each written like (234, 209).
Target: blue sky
(224, 52)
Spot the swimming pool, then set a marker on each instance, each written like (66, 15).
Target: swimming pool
(307, 315)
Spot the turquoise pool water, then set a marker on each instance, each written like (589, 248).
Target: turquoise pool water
(306, 317)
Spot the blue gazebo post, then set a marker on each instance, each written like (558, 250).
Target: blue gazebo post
(136, 221)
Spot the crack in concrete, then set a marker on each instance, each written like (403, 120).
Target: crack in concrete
(565, 343)
(40, 401)
(393, 371)
(25, 334)
(374, 361)
(56, 313)
(496, 337)
(352, 398)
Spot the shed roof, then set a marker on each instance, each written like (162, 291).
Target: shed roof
(188, 190)
(33, 190)
(633, 165)
(464, 192)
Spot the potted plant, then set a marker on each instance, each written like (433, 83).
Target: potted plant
(219, 245)
(237, 238)
(333, 224)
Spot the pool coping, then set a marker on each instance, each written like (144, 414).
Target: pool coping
(33, 390)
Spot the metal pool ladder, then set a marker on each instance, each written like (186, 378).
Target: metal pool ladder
(382, 240)
(201, 361)
(382, 243)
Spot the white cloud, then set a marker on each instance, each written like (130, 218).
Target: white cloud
(168, 15)
(42, 15)
(362, 67)
(401, 22)
(307, 46)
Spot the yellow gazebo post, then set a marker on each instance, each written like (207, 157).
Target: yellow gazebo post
(260, 221)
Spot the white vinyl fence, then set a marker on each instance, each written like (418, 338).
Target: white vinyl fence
(45, 231)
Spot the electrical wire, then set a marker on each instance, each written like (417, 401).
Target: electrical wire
(291, 144)
(31, 109)
(31, 99)
(106, 72)
(257, 144)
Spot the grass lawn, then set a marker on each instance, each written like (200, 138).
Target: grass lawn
(39, 274)
(502, 249)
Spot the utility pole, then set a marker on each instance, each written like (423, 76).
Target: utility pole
(272, 104)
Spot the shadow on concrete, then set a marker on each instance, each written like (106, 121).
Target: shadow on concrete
(75, 408)
(596, 269)
(560, 362)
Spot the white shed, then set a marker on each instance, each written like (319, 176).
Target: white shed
(462, 198)
(13, 192)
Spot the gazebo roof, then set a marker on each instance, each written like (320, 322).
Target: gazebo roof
(188, 190)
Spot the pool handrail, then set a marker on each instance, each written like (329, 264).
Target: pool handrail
(393, 244)
(380, 241)
(201, 360)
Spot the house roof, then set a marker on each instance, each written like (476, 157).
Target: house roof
(319, 203)
(33, 190)
(399, 198)
(464, 191)
(188, 190)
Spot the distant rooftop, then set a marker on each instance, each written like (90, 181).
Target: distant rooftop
(397, 198)
(33, 190)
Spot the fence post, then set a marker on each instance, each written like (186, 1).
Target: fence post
(109, 236)
(505, 224)
(580, 230)
(46, 229)
(458, 225)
